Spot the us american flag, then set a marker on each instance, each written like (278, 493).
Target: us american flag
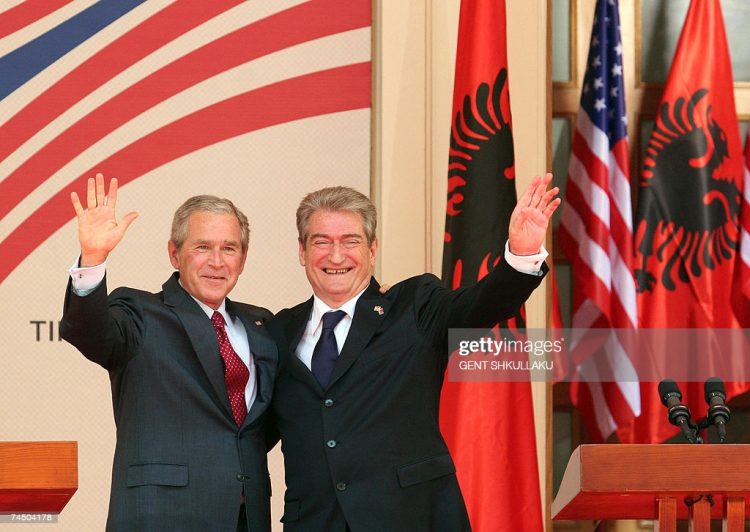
(123, 87)
(596, 233)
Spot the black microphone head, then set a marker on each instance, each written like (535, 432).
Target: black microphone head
(714, 386)
(668, 388)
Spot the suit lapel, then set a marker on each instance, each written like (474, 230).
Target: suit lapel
(201, 334)
(369, 313)
(264, 351)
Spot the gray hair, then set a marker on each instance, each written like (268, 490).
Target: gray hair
(337, 199)
(205, 203)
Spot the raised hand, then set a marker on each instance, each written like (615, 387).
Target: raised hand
(98, 230)
(530, 217)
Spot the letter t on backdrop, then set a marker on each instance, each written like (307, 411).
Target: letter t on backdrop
(489, 426)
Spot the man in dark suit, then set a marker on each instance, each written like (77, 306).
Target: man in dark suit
(191, 371)
(359, 425)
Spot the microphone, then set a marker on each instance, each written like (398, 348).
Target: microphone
(679, 414)
(718, 412)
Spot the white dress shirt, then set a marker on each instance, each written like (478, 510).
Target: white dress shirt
(314, 327)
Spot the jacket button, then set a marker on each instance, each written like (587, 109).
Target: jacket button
(331, 443)
(328, 402)
(241, 477)
(341, 486)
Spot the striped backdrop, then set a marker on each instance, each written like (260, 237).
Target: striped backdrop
(260, 101)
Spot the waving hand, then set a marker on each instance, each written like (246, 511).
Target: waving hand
(530, 217)
(98, 229)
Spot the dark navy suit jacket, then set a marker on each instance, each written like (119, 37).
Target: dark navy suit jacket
(181, 462)
(367, 452)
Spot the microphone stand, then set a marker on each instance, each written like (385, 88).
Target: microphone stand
(696, 430)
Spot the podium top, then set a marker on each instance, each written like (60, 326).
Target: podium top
(614, 481)
(37, 476)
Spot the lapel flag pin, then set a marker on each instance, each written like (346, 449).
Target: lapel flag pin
(258, 323)
(379, 310)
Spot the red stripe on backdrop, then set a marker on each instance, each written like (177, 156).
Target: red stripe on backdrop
(329, 91)
(26, 13)
(151, 34)
(255, 40)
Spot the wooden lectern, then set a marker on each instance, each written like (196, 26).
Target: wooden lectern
(37, 477)
(661, 482)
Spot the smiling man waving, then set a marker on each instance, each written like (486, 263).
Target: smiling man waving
(191, 371)
(358, 389)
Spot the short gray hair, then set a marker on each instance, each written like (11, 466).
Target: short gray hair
(337, 199)
(205, 203)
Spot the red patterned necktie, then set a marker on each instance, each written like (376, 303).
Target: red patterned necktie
(236, 373)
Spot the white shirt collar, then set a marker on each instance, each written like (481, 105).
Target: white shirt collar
(208, 310)
(320, 308)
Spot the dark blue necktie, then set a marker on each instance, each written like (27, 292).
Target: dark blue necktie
(326, 351)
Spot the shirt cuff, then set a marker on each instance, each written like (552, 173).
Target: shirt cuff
(531, 264)
(86, 279)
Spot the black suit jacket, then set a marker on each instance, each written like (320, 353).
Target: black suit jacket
(180, 462)
(367, 451)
